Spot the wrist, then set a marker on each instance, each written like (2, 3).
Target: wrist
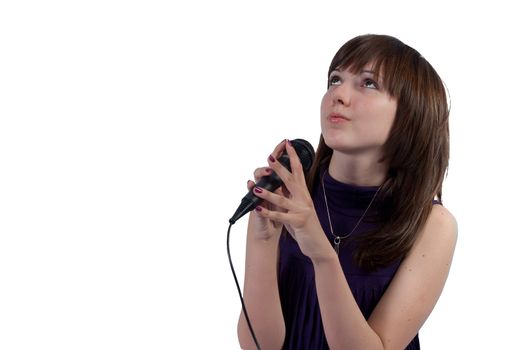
(325, 253)
(327, 256)
(262, 238)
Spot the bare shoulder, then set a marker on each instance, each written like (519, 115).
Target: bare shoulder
(441, 228)
(436, 240)
(443, 215)
(419, 281)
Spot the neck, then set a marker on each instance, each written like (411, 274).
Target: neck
(359, 170)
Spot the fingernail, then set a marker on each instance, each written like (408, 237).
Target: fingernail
(271, 158)
(289, 143)
(268, 170)
(257, 190)
(258, 208)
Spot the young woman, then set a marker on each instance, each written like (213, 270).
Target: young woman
(355, 254)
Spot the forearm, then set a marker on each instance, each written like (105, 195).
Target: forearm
(344, 325)
(261, 295)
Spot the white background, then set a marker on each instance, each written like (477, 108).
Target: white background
(128, 131)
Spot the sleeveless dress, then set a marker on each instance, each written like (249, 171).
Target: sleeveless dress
(347, 203)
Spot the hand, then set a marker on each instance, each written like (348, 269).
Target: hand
(295, 208)
(264, 228)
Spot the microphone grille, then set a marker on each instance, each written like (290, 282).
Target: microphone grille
(305, 152)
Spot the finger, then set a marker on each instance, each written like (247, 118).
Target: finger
(273, 198)
(280, 170)
(276, 216)
(296, 166)
(278, 150)
(250, 185)
(260, 172)
(284, 191)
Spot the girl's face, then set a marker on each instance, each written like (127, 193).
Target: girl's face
(356, 112)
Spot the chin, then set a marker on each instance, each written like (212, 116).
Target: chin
(336, 141)
(345, 146)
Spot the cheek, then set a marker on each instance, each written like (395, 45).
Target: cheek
(378, 120)
(323, 104)
(390, 113)
(388, 116)
(383, 109)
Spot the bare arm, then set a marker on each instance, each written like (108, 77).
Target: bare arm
(407, 302)
(410, 297)
(262, 298)
(261, 293)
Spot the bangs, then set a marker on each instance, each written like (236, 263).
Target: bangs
(391, 60)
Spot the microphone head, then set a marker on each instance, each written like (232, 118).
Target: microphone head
(305, 152)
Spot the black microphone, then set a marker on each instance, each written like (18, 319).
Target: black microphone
(272, 182)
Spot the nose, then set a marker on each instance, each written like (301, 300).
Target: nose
(342, 95)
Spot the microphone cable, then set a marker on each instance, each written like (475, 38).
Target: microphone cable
(305, 153)
(240, 291)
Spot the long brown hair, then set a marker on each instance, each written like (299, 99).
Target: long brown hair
(417, 149)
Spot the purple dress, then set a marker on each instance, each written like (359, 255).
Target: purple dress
(301, 311)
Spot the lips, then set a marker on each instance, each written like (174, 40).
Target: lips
(337, 118)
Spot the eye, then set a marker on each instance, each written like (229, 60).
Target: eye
(334, 80)
(369, 83)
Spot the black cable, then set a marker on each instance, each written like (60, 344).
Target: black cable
(240, 291)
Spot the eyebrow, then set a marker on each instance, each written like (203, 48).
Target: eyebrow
(362, 71)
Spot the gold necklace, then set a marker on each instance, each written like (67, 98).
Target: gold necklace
(337, 239)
